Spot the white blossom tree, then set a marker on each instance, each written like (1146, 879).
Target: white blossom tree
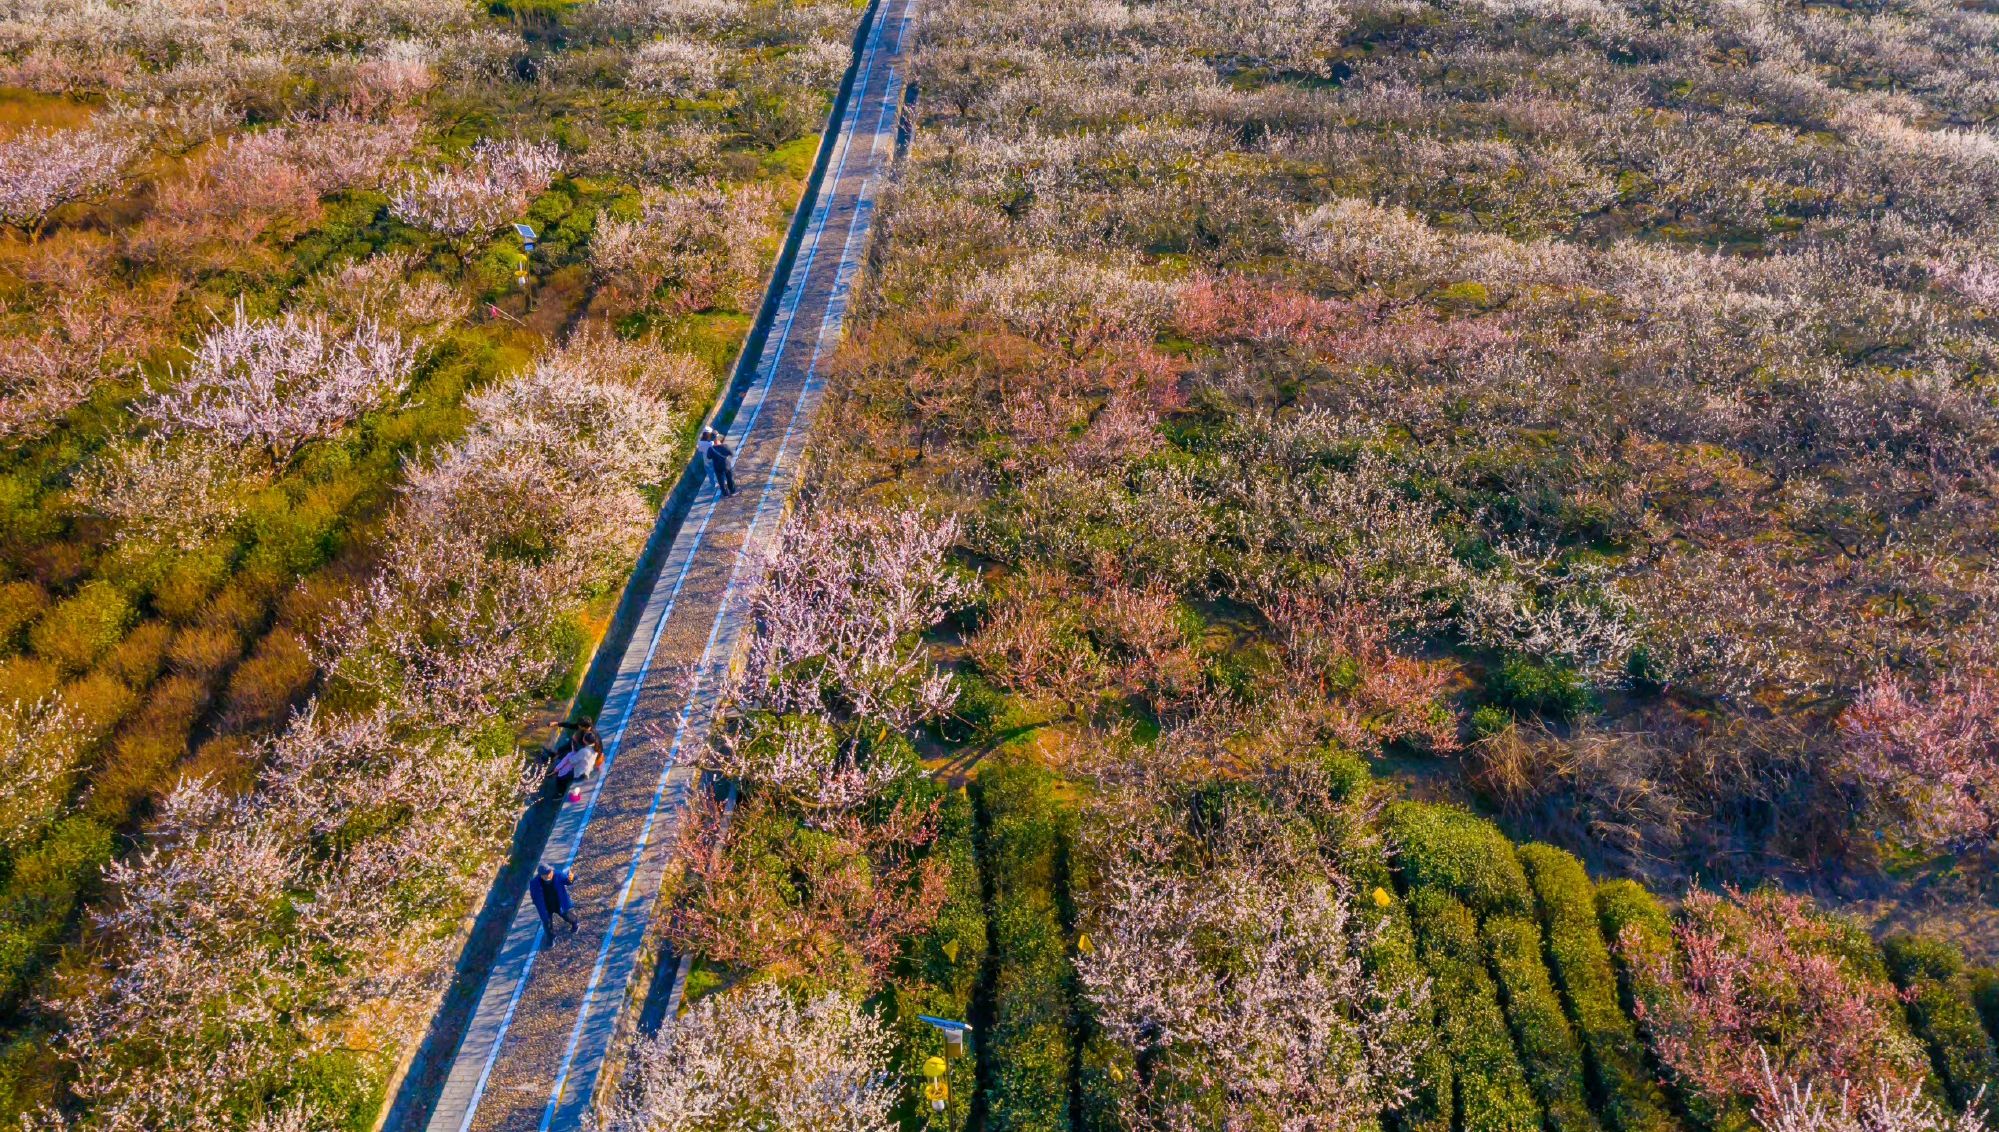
(495, 186)
(178, 493)
(839, 617)
(705, 243)
(390, 289)
(551, 470)
(275, 384)
(678, 68)
(838, 661)
(454, 638)
(760, 1058)
(1795, 1106)
(1226, 966)
(253, 922)
(540, 503)
(43, 169)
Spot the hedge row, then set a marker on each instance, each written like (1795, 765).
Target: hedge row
(1943, 1014)
(1492, 1090)
(1030, 1050)
(1624, 1091)
(1458, 852)
(1390, 958)
(1624, 906)
(939, 974)
(1548, 1050)
(1985, 994)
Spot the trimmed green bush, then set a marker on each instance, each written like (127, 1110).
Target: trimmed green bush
(41, 893)
(1624, 905)
(1492, 1090)
(1391, 960)
(20, 604)
(1390, 957)
(1626, 1095)
(81, 628)
(1030, 1049)
(1108, 1073)
(1944, 1016)
(1547, 688)
(1985, 995)
(1548, 1050)
(1461, 853)
(939, 973)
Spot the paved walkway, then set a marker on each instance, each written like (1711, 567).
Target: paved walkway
(535, 1048)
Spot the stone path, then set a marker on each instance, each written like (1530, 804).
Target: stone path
(535, 1048)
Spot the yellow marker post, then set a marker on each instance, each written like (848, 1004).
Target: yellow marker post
(936, 1089)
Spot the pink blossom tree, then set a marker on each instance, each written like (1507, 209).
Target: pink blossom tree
(1724, 1012)
(833, 904)
(1928, 758)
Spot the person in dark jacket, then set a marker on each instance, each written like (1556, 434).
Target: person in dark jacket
(722, 459)
(549, 889)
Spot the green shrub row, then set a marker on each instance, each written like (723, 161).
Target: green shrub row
(1031, 1044)
(39, 895)
(1985, 995)
(1625, 906)
(1458, 852)
(1106, 1075)
(1492, 1090)
(1943, 1014)
(1548, 1050)
(939, 974)
(1391, 958)
(1626, 1096)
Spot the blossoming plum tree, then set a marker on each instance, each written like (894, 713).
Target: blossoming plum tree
(757, 1057)
(43, 169)
(276, 384)
(1225, 960)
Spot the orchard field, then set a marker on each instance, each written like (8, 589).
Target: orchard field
(1420, 565)
(1399, 565)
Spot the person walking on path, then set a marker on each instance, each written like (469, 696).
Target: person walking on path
(701, 448)
(722, 459)
(549, 889)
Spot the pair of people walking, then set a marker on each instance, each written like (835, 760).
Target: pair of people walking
(578, 756)
(721, 460)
